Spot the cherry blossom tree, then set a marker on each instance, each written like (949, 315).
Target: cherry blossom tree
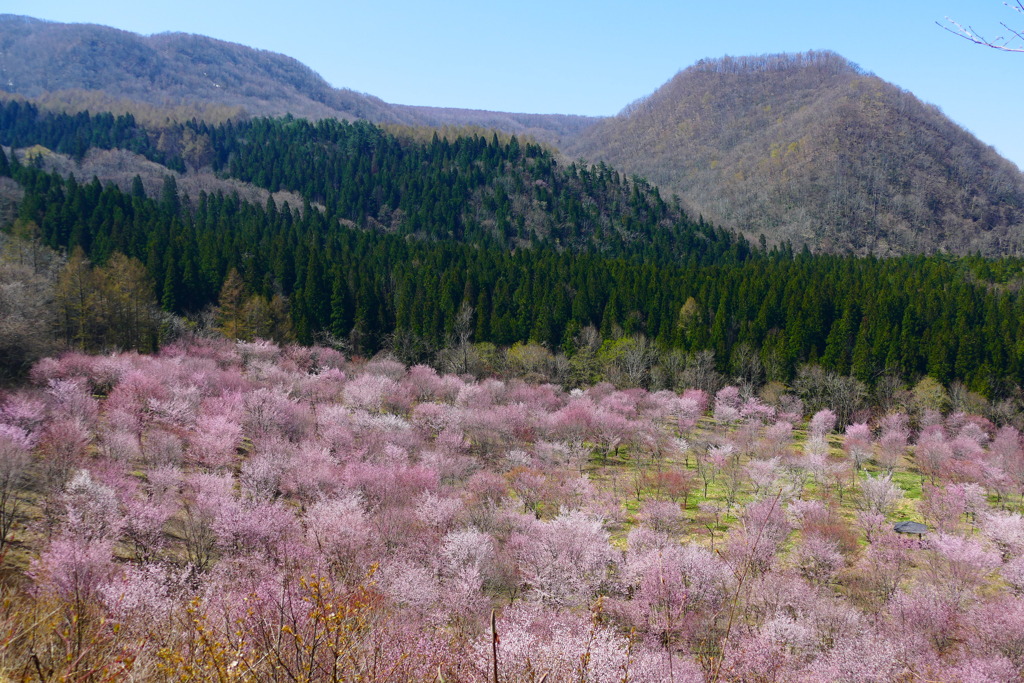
(534, 643)
(676, 591)
(662, 515)
(959, 565)
(857, 443)
(884, 565)
(822, 423)
(727, 404)
(818, 559)
(283, 511)
(776, 441)
(752, 547)
(676, 483)
(692, 406)
(564, 561)
(879, 495)
(892, 444)
(145, 519)
(1006, 531)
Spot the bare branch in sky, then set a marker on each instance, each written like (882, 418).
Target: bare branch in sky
(1013, 42)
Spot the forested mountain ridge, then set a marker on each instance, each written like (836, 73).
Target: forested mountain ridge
(811, 149)
(469, 188)
(384, 239)
(801, 148)
(84, 66)
(409, 245)
(363, 194)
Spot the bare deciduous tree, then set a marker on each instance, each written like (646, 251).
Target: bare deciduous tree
(27, 275)
(1013, 41)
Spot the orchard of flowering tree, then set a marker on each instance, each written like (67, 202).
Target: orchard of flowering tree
(242, 511)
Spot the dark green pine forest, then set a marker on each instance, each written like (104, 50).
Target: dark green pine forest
(397, 235)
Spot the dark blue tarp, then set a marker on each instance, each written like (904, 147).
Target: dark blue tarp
(910, 528)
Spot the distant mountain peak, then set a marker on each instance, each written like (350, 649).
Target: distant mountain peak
(86, 66)
(812, 149)
(19, 19)
(825, 61)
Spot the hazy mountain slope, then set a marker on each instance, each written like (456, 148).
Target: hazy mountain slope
(82, 65)
(557, 129)
(38, 57)
(809, 148)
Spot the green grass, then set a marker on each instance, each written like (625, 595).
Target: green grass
(910, 482)
(603, 471)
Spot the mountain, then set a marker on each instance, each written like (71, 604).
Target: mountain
(101, 68)
(811, 149)
(400, 235)
(39, 58)
(374, 233)
(803, 148)
(398, 239)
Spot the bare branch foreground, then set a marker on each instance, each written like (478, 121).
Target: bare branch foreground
(1006, 43)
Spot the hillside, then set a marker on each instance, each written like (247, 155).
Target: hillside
(289, 508)
(382, 236)
(419, 399)
(811, 149)
(801, 148)
(397, 239)
(79, 66)
(462, 186)
(38, 58)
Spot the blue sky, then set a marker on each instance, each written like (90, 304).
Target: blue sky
(596, 56)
